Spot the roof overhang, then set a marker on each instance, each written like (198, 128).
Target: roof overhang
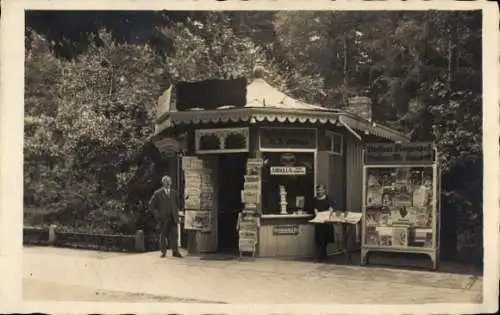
(256, 115)
(253, 115)
(370, 127)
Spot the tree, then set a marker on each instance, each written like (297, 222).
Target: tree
(423, 73)
(104, 109)
(208, 48)
(70, 31)
(328, 44)
(43, 78)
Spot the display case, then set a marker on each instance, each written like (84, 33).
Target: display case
(400, 200)
(287, 182)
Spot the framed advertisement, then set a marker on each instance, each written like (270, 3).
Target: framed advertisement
(251, 196)
(399, 195)
(254, 166)
(400, 200)
(247, 245)
(198, 220)
(191, 162)
(248, 230)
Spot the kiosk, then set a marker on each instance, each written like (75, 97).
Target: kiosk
(299, 145)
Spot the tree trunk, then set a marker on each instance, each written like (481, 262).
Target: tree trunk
(450, 60)
(452, 54)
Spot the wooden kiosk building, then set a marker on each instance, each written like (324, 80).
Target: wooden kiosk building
(300, 146)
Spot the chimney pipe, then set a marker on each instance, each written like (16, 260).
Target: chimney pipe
(360, 106)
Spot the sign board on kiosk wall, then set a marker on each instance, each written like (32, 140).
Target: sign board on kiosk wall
(287, 138)
(200, 208)
(399, 153)
(286, 229)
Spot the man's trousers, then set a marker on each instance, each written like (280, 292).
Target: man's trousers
(168, 236)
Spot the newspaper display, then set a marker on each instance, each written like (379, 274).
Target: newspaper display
(249, 218)
(249, 223)
(200, 193)
(337, 217)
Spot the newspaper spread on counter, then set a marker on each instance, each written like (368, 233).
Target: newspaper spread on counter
(337, 217)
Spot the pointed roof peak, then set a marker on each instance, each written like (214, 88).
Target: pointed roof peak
(261, 94)
(259, 72)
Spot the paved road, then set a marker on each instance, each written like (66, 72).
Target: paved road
(66, 274)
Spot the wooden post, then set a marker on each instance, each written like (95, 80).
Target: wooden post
(139, 241)
(52, 234)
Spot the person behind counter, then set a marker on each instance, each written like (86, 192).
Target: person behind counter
(323, 232)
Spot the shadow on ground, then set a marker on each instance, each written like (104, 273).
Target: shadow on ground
(401, 261)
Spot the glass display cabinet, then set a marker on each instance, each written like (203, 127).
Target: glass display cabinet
(401, 200)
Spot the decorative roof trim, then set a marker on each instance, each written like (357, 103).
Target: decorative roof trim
(212, 116)
(254, 115)
(282, 118)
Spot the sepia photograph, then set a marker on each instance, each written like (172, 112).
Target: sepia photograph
(161, 147)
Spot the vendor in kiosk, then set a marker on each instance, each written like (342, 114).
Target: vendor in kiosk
(324, 232)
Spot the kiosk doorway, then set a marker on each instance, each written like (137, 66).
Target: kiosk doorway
(231, 176)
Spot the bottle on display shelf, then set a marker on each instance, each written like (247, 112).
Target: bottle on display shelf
(283, 202)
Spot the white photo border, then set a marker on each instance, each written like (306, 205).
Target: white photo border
(11, 156)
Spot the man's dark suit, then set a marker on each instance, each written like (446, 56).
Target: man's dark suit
(166, 211)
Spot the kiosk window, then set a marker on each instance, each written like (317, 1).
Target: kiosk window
(292, 171)
(335, 143)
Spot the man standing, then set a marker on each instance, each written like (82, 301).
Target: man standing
(164, 204)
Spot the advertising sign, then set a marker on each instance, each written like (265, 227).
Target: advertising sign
(398, 153)
(254, 166)
(255, 162)
(248, 227)
(198, 220)
(193, 202)
(191, 162)
(286, 229)
(300, 202)
(287, 138)
(251, 196)
(399, 205)
(288, 170)
(199, 187)
(247, 245)
(255, 186)
(252, 178)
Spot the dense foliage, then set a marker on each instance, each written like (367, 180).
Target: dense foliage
(86, 120)
(89, 92)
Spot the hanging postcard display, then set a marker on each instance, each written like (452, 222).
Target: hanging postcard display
(199, 191)
(400, 199)
(249, 218)
(248, 229)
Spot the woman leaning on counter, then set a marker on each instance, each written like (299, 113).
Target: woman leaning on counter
(324, 231)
